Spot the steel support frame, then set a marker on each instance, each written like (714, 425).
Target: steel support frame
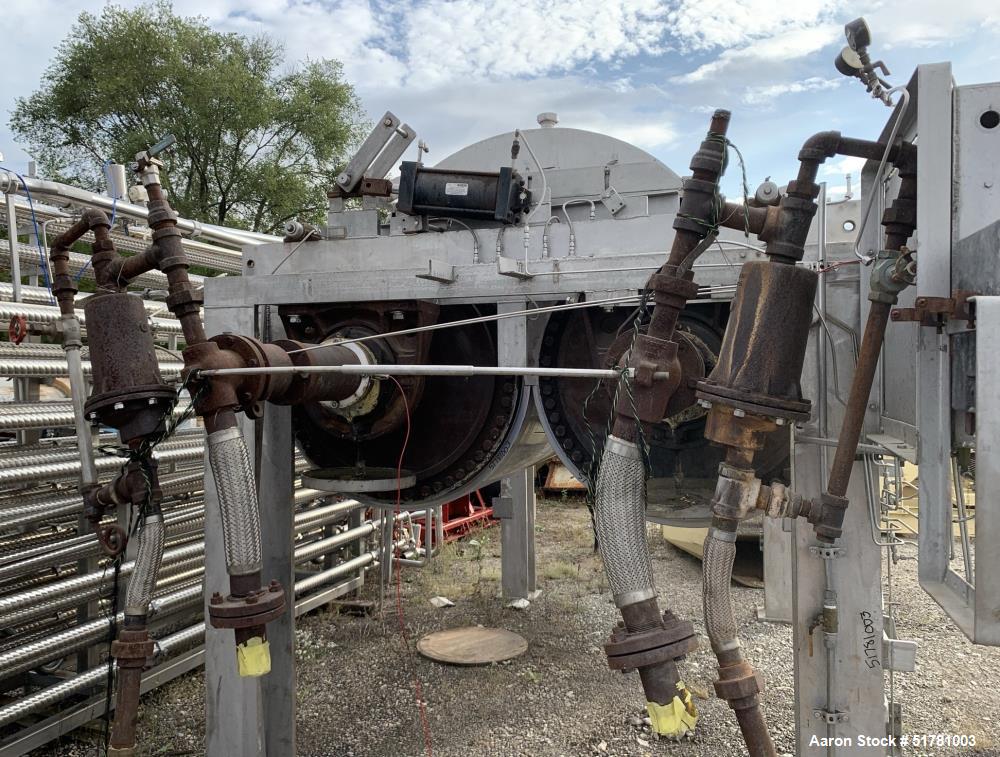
(517, 526)
(961, 211)
(253, 717)
(858, 703)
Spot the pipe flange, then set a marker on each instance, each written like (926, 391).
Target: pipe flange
(754, 402)
(254, 609)
(739, 685)
(628, 651)
(132, 653)
(347, 405)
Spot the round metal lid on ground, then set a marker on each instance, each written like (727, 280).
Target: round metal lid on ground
(472, 645)
(358, 480)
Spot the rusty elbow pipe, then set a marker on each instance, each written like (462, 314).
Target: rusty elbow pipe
(64, 286)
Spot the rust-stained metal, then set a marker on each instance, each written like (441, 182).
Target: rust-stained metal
(647, 402)
(899, 219)
(368, 187)
(672, 286)
(935, 312)
(761, 359)
(666, 642)
(128, 393)
(132, 650)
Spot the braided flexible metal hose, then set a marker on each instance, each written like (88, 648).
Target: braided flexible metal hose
(620, 522)
(720, 620)
(234, 483)
(147, 565)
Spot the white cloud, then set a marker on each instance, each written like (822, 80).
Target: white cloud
(766, 94)
(450, 118)
(780, 48)
(709, 24)
(455, 40)
(843, 166)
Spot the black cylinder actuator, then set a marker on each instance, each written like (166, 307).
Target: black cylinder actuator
(481, 195)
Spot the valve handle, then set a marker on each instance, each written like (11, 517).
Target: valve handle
(17, 329)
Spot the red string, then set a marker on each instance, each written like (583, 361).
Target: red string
(839, 264)
(417, 688)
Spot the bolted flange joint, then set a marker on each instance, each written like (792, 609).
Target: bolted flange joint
(253, 609)
(673, 640)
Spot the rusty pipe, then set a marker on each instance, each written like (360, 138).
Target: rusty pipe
(672, 285)
(737, 216)
(900, 222)
(857, 402)
(64, 287)
(707, 165)
(171, 259)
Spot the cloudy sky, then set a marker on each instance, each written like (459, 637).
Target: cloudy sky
(647, 71)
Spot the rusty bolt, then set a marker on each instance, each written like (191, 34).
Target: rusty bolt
(251, 599)
(216, 599)
(274, 586)
(387, 122)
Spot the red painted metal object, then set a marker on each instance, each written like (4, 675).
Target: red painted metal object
(462, 515)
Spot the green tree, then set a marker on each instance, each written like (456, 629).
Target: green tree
(256, 145)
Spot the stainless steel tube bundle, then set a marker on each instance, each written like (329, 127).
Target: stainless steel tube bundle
(54, 414)
(67, 469)
(51, 314)
(173, 558)
(180, 526)
(28, 255)
(165, 647)
(94, 677)
(57, 453)
(42, 368)
(237, 238)
(234, 483)
(28, 656)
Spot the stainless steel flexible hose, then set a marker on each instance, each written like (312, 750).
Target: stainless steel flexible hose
(717, 563)
(147, 565)
(237, 492)
(620, 522)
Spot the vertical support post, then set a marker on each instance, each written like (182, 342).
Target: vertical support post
(934, 244)
(854, 696)
(275, 473)
(517, 536)
(517, 492)
(275, 482)
(859, 690)
(234, 706)
(777, 572)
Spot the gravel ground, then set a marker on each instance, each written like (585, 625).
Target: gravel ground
(356, 679)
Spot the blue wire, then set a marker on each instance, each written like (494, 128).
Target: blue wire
(43, 263)
(114, 208)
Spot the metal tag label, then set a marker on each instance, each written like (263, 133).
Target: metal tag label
(456, 188)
